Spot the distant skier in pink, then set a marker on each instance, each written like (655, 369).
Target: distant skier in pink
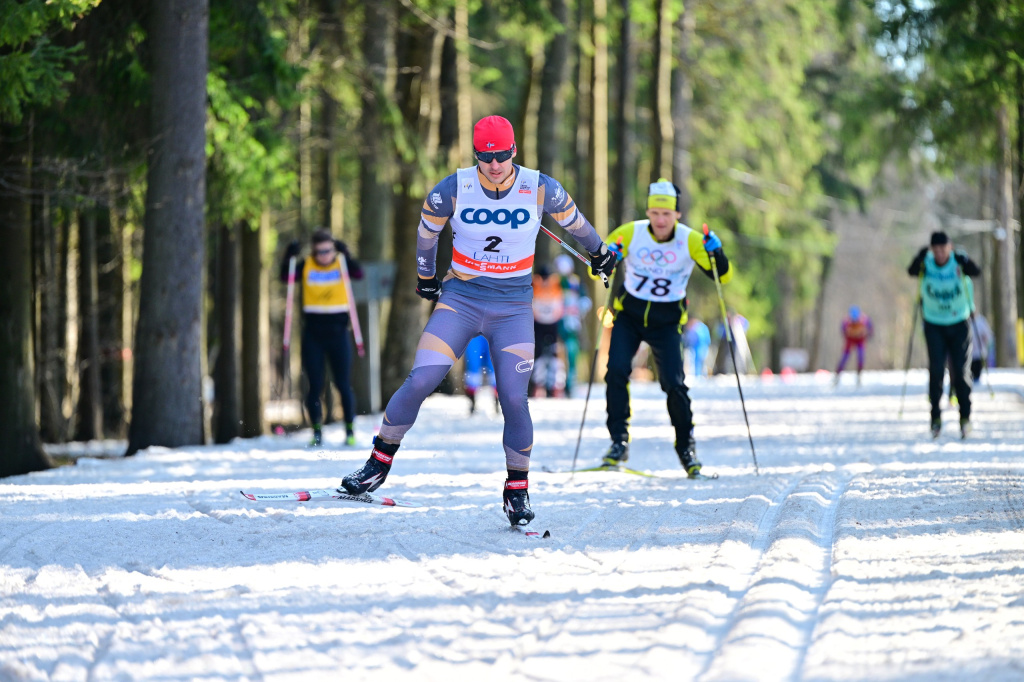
(857, 329)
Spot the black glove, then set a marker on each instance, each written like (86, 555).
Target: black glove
(602, 262)
(340, 247)
(293, 249)
(429, 289)
(960, 257)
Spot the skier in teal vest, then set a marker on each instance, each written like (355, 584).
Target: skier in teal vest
(946, 307)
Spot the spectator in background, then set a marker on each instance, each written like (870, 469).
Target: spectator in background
(576, 306)
(548, 376)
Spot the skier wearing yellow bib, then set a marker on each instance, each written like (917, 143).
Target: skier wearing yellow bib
(659, 254)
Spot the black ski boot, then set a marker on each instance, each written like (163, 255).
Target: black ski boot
(617, 455)
(936, 427)
(373, 473)
(688, 458)
(516, 502)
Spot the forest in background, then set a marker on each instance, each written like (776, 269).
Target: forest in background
(155, 158)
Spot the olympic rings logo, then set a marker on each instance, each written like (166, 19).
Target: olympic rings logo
(656, 256)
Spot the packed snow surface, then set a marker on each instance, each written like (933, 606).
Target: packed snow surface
(862, 550)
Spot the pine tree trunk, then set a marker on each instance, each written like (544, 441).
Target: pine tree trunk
(1020, 185)
(51, 380)
(682, 109)
(551, 112)
(623, 190)
(89, 410)
(112, 281)
(255, 326)
(598, 214)
(328, 121)
(167, 405)
(581, 147)
(375, 198)
(663, 141)
(407, 309)
(20, 448)
(1005, 327)
(227, 413)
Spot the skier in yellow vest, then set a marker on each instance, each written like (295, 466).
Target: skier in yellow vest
(659, 254)
(326, 313)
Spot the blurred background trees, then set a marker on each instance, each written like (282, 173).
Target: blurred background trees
(822, 140)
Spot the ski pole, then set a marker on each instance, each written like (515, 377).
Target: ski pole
(984, 360)
(910, 348)
(353, 313)
(604, 278)
(286, 344)
(590, 383)
(732, 350)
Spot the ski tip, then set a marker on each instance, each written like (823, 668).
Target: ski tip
(536, 534)
(248, 496)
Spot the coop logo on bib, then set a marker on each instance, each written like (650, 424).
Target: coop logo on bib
(502, 216)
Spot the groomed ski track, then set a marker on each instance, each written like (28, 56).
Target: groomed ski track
(864, 550)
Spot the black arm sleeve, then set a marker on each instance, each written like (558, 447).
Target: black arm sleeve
(721, 263)
(283, 273)
(969, 267)
(355, 270)
(915, 265)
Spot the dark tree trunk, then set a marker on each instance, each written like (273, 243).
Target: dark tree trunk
(682, 107)
(662, 133)
(50, 288)
(1005, 260)
(375, 198)
(1020, 183)
(112, 281)
(597, 212)
(225, 374)
(89, 411)
(255, 329)
(581, 147)
(407, 309)
(20, 448)
(623, 189)
(551, 111)
(448, 135)
(167, 404)
(328, 124)
(814, 362)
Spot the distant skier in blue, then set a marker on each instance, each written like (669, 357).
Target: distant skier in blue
(478, 367)
(698, 339)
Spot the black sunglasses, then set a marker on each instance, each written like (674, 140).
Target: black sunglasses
(501, 157)
(323, 252)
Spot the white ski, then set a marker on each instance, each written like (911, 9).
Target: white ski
(307, 495)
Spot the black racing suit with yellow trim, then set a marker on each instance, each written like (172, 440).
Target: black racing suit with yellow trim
(660, 325)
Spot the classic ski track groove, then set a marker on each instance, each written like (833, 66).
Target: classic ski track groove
(749, 606)
(759, 543)
(1013, 494)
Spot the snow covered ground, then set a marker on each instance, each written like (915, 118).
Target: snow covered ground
(863, 550)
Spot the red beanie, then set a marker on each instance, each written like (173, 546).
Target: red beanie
(493, 134)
